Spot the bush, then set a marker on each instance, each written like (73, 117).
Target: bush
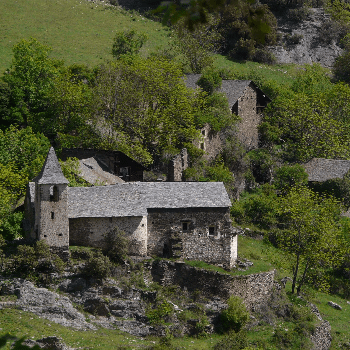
(97, 266)
(158, 314)
(128, 42)
(298, 14)
(235, 316)
(293, 39)
(116, 245)
(233, 341)
(264, 56)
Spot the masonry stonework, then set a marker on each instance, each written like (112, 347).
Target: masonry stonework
(253, 289)
(247, 109)
(52, 214)
(91, 231)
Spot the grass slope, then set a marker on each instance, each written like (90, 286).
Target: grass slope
(78, 31)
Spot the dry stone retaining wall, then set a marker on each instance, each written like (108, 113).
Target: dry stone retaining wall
(254, 289)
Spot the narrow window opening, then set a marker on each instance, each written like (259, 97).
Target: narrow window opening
(60, 234)
(184, 226)
(211, 230)
(203, 132)
(45, 235)
(54, 194)
(52, 215)
(202, 145)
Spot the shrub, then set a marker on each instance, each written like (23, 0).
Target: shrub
(97, 266)
(162, 310)
(293, 39)
(233, 341)
(116, 245)
(128, 42)
(235, 316)
(298, 14)
(264, 56)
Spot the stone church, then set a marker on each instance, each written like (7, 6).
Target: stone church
(189, 220)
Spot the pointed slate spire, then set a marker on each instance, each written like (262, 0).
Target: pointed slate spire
(51, 172)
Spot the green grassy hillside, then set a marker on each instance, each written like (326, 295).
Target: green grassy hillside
(77, 31)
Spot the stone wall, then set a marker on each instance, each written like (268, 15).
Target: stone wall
(196, 221)
(51, 214)
(177, 165)
(211, 249)
(254, 289)
(210, 142)
(90, 232)
(248, 127)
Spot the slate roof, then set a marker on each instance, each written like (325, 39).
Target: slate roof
(133, 199)
(51, 172)
(92, 172)
(320, 169)
(233, 89)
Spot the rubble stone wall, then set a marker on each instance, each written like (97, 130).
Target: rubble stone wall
(248, 127)
(253, 289)
(51, 221)
(90, 231)
(162, 222)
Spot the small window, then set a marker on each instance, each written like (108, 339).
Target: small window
(60, 234)
(54, 194)
(185, 226)
(203, 132)
(45, 235)
(211, 230)
(202, 145)
(52, 215)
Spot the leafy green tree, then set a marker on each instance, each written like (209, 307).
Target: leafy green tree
(29, 79)
(303, 128)
(311, 233)
(197, 46)
(128, 42)
(145, 107)
(210, 80)
(288, 176)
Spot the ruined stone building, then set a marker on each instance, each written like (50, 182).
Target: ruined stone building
(245, 100)
(190, 220)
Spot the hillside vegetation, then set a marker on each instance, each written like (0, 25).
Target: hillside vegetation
(87, 74)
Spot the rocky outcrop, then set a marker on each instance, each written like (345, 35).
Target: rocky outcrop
(309, 43)
(43, 303)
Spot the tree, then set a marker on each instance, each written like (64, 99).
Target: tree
(145, 106)
(303, 127)
(128, 42)
(28, 80)
(310, 233)
(197, 46)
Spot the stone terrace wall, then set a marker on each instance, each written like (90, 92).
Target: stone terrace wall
(254, 289)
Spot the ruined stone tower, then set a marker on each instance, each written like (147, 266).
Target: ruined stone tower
(51, 204)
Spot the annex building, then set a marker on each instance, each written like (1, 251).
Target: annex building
(189, 220)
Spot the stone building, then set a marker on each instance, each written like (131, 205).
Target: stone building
(189, 220)
(247, 101)
(321, 169)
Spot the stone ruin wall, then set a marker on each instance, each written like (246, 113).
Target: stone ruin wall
(210, 142)
(177, 165)
(253, 289)
(90, 232)
(248, 127)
